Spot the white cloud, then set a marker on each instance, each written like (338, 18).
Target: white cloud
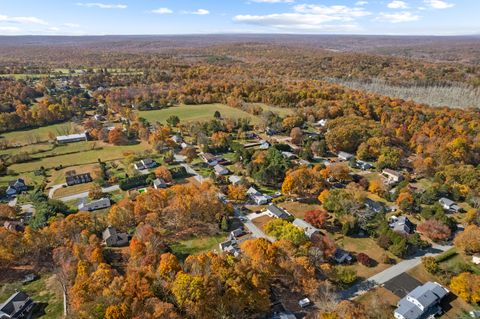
(102, 5)
(399, 17)
(274, 1)
(310, 18)
(361, 3)
(439, 4)
(397, 4)
(22, 20)
(162, 11)
(71, 25)
(200, 12)
(9, 29)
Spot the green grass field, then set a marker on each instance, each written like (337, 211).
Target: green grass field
(282, 111)
(184, 248)
(41, 133)
(85, 155)
(45, 290)
(203, 112)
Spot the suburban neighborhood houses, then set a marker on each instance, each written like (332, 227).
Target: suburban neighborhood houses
(185, 178)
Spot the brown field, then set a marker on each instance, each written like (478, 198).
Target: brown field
(380, 300)
(72, 190)
(299, 209)
(261, 221)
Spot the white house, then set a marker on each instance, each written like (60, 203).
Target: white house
(307, 228)
(392, 177)
(72, 138)
(449, 205)
(344, 156)
(258, 197)
(422, 302)
(221, 170)
(476, 259)
(234, 179)
(95, 205)
(276, 212)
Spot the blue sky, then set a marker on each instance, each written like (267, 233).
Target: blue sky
(98, 17)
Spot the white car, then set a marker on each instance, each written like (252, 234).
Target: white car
(305, 302)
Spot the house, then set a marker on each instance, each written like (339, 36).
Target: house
(159, 183)
(145, 164)
(421, 303)
(264, 145)
(305, 302)
(95, 205)
(276, 212)
(392, 177)
(449, 205)
(220, 170)
(476, 259)
(112, 238)
(78, 179)
(365, 166)
(63, 139)
(18, 306)
(288, 155)
(230, 247)
(210, 159)
(16, 187)
(270, 131)
(321, 122)
(283, 315)
(258, 197)
(177, 139)
(401, 225)
(307, 228)
(237, 233)
(16, 226)
(344, 156)
(341, 256)
(234, 179)
(374, 206)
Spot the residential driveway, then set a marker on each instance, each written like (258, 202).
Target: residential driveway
(83, 195)
(54, 189)
(389, 273)
(247, 221)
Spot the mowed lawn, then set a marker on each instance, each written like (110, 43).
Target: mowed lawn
(45, 290)
(203, 112)
(41, 133)
(185, 248)
(86, 155)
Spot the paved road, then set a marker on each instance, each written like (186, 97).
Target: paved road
(83, 195)
(389, 273)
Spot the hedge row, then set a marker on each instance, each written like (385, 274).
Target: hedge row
(135, 181)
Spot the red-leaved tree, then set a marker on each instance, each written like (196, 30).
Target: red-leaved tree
(316, 217)
(435, 230)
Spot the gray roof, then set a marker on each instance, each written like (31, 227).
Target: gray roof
(345, 155)
(308, 228)
(408, 310)
(159, 183)
(102, 202)
(14, 305)
(428, 295)
(277, 211)
(219, 169)
(446, 201)
(234, 179)
(71, 137)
